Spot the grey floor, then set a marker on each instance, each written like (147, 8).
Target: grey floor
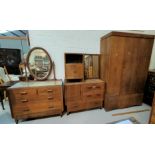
(97, 116)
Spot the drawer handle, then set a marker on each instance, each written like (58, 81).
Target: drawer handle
(50, 98)
(89, 95)
(26, 110)
(23, 93)
(98, 94)
(24, 101)
(51, 107)
(50, 91)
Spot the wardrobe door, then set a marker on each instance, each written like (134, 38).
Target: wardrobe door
(115, 65)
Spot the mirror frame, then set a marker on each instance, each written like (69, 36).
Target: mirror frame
(27, 62)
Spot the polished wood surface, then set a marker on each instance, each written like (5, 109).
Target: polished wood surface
(124, 65)
(36, 99)
(84, 95)
(152, 115)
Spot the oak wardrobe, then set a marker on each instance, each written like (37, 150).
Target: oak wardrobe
(125, 59)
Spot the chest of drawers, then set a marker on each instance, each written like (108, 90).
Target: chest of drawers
(35, 99)
(84, 95)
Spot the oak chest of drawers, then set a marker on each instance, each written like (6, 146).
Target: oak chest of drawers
(84, 95)
(35, 99)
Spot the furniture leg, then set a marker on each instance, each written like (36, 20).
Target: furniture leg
(16, 120)
(2, 103)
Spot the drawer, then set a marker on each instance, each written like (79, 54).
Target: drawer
(74, 71)
(94, 104)
(22, 93)
(97, 96)
(96, 87)
(21, 110)
(49, 91)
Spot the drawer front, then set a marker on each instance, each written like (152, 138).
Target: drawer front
(74, 71)
(92, 88)
(75, 106)
(97, 96)
(20, 94)
(50, 93)
(49, 90)
(94, 104)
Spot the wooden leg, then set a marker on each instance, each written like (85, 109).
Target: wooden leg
(68, 113)
(16, 120)
(2, 104)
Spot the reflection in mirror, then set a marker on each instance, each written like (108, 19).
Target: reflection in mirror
(91, 64)
(39, 63)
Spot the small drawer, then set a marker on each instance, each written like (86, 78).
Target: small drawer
(93, 87)
(97, 96)
(49, 90)
(22, 93)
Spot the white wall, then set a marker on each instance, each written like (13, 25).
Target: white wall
(61, 41)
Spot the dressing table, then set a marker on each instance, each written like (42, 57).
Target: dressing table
(38, 98)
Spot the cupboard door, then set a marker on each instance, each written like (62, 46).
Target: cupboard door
(115, 65)
(135, 65)
(74, 71)
(72, 92)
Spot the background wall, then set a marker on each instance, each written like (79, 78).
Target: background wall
(57, 42)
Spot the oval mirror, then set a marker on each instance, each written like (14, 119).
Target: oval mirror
(39, 63)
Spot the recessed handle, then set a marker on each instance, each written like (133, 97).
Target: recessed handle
(89, 95)
(23, 93)
(24, 100)
(50, 98)
(51, 107)
(50, 91)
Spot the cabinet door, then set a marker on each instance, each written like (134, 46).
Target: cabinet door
(74, 71)
(135, 65)
(72, 92)
(115, 63)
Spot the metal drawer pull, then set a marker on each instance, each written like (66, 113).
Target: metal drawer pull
(23, 93)
(50, 98)
(24, 101)
(50, 91)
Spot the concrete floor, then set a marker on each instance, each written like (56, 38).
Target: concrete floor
(96, 116)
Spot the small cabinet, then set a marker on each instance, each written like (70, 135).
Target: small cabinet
(84, 95)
